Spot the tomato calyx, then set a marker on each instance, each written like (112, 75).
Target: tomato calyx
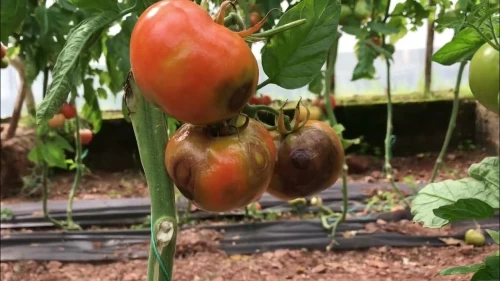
(220, 15)
(229, 127)
(297, 121)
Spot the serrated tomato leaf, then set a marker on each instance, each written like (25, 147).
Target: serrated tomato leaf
(494, 235)
(316, 85)
(491, 270)
(67, 61)
(291, 59)
(488, 172)
(465, 209)
(364, 69)
(11, 17)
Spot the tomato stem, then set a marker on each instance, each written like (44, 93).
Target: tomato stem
(263, 84)
(151, 132)
(252, 111)
(485, 38)
(276, 30)
(451, 124)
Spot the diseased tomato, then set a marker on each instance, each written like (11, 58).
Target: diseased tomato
(255, 18)
(308, 161)
(57, 121)
(190, 65)
(86, 136)
(221, 173)
(68, 110)
(484, 77)
(345, 14)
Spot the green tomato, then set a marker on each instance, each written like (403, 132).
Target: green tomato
(483, 77)
(361, 10)
(345, 13)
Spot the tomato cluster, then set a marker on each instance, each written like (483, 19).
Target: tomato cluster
(202, 73)
(68, 111)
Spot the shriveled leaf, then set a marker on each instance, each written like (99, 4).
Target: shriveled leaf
(91, 109)
(461, 269)
(292, 59)
(96, 4)
(491, 271)
(11, 17)
(67, 61)
(464, 209)
(316, 85)
(448, 192)
(494, 235)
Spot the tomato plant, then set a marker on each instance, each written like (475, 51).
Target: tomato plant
(484, 77)
(241, 165)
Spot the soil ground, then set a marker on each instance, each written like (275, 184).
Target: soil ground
(128, 184)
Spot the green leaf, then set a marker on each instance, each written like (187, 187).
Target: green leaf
(400, 24)
(316, 85)
(491, 271)
(292, 59)
(464, 209)
(448, 192)
(487, 172)
(355, 31)
(460, 48)
(50, 153)
(91, 109)
(11, 17)
(63, 143)
(67, 61)
(35, 154)
(364, 69)
(96, 4)
(383, 28)
(494, 235)
(461, 269)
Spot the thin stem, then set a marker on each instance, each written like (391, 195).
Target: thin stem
(388, 142)
(451, 124)
(263, 84)
(276, 30)
(493, 31)
(429, 49)
(78, 175)
(330, 66)
(151, 132)
(485, 38)
(45, 195)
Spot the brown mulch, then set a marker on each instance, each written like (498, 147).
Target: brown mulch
(377, 264)
(366, 169)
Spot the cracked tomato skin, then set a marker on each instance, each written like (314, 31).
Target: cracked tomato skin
(194, 69)
(308, 161)
(223, 173)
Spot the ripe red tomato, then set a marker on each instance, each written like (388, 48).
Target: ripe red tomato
(308, 161)
(68, 110)
(221, 173)
(254, 100)
(86, 136)
(57, 121)
(484, 77)
(266, 100)
(193, 68)
(4, 50)
(255, 18)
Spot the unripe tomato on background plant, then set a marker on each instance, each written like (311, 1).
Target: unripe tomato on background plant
(221, 173)
(345, 14)
(361, 10)
(86, 136)
(191, 67)
(308, 161)
(57, 121)
(4, 50)
(68, 110)
(484, 77)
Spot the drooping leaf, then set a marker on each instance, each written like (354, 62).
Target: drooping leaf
(316, 85)
(464, 209)
(494, 235)
(11, 17)
(491, 270)
(96, 4)
(461, 269)
(449, 192)
(91, 109)
(63, 70)
(292, 59)
(364, 69)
